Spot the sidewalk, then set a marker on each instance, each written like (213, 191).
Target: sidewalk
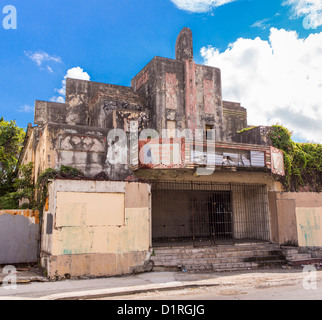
(147, 282)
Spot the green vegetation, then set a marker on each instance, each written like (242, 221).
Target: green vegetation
(35, 195)
(23, 188)
(11, 141)
(247, 129)
(15, 188)
(44, 179)
(303, 161)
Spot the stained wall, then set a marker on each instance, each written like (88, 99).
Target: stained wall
(105, 224)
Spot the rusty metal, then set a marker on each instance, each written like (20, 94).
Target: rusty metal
(207, 213)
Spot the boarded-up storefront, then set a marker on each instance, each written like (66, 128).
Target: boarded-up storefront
(96, 228)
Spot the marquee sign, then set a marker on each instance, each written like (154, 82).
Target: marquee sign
(162, 153)
(277, 162)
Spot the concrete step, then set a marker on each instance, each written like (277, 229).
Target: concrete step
(290, 251)
(303, 262)
(232, 266)
(223, 256)
(216, 249)
(298, 256)
(216, 255)
(218, 258)
(201, 253)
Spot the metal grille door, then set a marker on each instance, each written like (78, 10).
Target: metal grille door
(201, 214)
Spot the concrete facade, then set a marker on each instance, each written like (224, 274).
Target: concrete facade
(96, 228)
(19, 236)
(169, 97)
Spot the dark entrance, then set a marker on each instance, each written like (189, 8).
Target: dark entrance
(201, 214)
(211, 216)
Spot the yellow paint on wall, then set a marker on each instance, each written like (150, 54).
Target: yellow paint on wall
(70, 214)
(135, 236)
(309, 226)
(91, 209)
(98, 223)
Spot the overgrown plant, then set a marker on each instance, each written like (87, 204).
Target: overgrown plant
(34, 195)
(11, 141)
(303, 161)
(23, 190)
(43, 181)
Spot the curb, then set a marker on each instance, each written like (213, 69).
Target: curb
(113, 292)
(125, 291)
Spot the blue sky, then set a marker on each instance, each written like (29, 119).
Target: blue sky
(277, 43)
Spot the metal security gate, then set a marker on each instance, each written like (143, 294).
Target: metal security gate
(205, 213)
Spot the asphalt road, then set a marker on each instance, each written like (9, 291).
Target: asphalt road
(281, 293)
(266, 291)
(265, 284)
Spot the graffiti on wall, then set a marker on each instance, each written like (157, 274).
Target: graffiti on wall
(309, 226)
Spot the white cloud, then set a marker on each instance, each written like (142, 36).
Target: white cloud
(40, 57)
(73, 73)
(261, 24)
(279, 80)
(311, 10)
(50, 69)
(199, 6)
(26, 109)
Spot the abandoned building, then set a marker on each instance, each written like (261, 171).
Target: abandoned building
(163, 189)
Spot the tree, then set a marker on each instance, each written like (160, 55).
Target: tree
(11, 140)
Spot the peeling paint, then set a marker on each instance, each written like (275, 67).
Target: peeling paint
(32, 215)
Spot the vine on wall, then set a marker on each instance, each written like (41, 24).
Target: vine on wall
(303, 161)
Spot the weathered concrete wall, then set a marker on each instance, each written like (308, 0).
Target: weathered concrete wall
(234, 118)
(164, 84)
(181, 91)
(19, 236)
(296, 218)
(45, 156)
(257, 135)
(81, 147)
(106, 225)
(81, 96)
(49, 112)
(161, 82)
